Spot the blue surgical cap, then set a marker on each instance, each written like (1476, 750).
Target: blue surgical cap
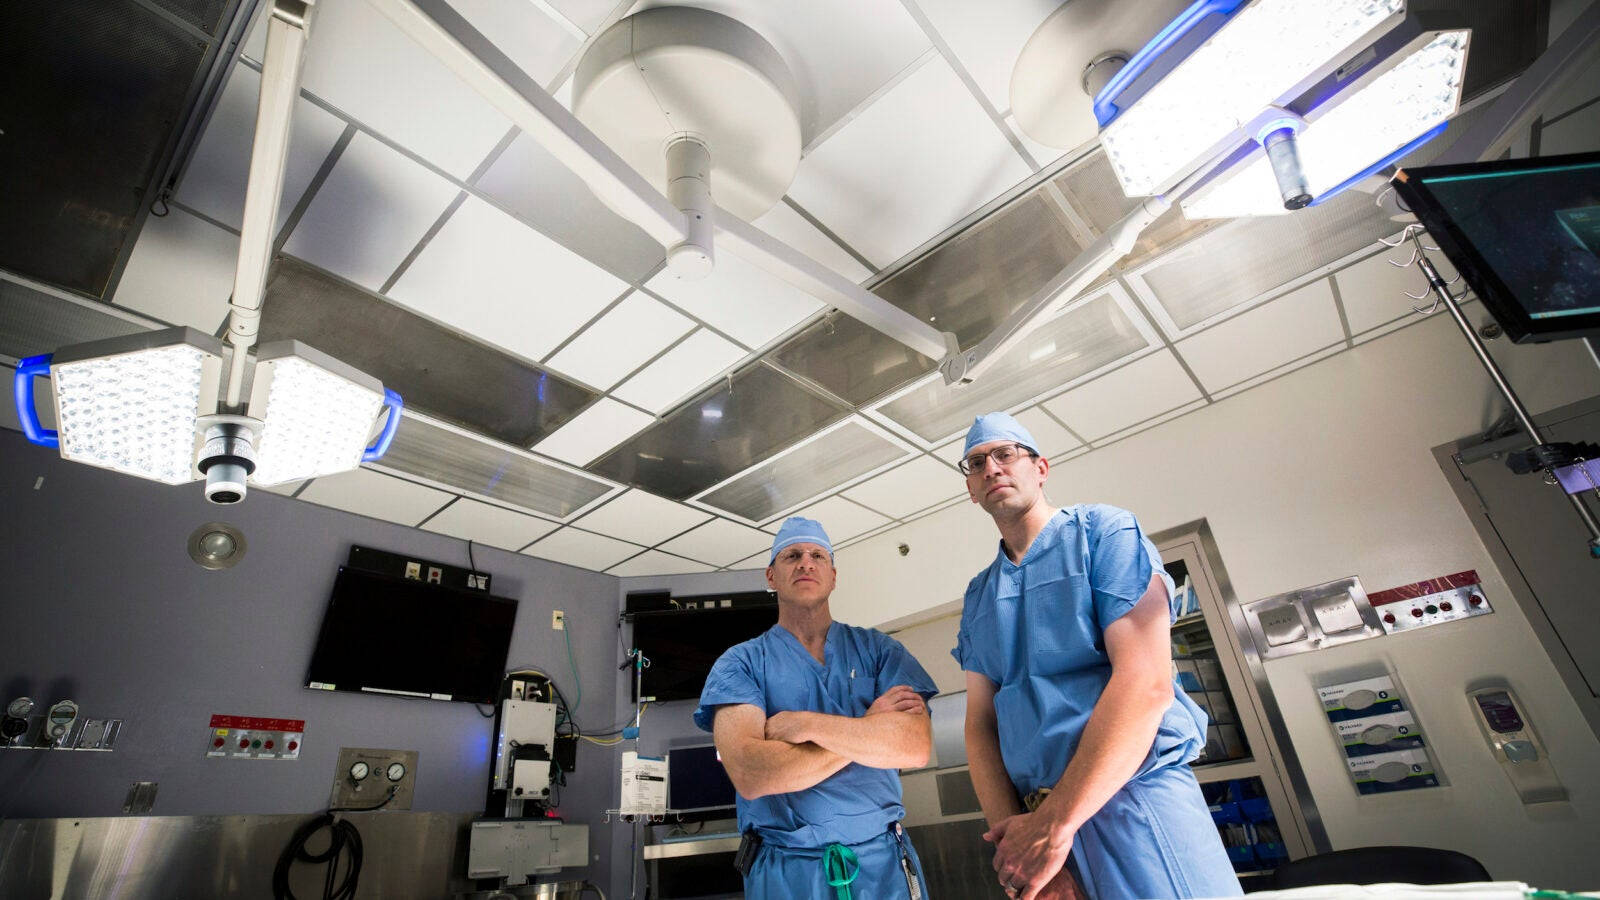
(797, 530)
(997, 426)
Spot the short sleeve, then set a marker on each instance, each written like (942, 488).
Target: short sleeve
(732, 680)
(966, 655)
(1121, 563)
(896, 665)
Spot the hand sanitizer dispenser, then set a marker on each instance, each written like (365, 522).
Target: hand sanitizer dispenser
(1515, 746)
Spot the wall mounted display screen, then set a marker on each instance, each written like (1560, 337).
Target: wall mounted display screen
(1524, 233)
(389, 635)
(682, 645)
(696, 780)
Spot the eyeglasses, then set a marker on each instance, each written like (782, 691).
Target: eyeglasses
(1002, 455)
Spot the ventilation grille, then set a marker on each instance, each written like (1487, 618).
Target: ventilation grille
(822, 463)
(34, 322)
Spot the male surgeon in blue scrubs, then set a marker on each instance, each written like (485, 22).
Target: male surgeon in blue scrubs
(1078, 738)
(811, 721)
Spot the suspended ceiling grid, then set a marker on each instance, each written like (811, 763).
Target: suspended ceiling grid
(402, 184)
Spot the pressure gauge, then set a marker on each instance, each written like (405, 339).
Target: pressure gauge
(359, 770)
(20, 708)
(15, 723)
(396, 771)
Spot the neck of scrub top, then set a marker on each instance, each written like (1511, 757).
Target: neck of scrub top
(1017, 531)
(808, 623)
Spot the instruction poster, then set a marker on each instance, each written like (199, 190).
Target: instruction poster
(1383, 745)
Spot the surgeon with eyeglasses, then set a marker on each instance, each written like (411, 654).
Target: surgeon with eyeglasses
(1078, 737)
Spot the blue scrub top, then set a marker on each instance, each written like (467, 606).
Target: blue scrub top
(1037, 630)
(775, 672)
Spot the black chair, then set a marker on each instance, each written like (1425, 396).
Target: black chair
(1378, 865)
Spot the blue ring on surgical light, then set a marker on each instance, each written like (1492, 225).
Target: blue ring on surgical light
(22, 389)
(1373, 169)
(381, 446)
(1290, 123)
(1105, 102)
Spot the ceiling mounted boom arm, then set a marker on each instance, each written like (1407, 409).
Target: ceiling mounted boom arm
(287, 28)
(448, 36)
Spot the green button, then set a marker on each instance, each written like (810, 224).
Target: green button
(1430, 609)
(255, 744)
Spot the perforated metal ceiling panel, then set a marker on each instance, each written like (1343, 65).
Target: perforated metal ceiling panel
(757, 413)
(435, 369)
(448, 457)
(820, 464)
(34, 321)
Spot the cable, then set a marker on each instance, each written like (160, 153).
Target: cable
(470, 561)
(343, 837)
(380, 805)
(575, 679)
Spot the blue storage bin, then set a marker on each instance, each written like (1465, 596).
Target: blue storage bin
(1243, 857)
(1256, 809)
(1271, 852)
(1226, 814)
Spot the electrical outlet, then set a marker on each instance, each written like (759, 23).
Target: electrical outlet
(558, 620)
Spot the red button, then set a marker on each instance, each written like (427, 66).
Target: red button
(217, 742)
(1389, 617)
(1446, 606)
(1476, 600)
(267, 745)
(293, 745)
(1416, 612)
(244, 743)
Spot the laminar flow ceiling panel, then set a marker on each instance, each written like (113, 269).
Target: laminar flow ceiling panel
(829, 459)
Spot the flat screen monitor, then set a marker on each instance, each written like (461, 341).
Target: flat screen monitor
(1524, 233)
(389, 635)
(696, 781)
(682, 645)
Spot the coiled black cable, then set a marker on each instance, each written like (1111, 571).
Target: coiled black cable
(343, 837)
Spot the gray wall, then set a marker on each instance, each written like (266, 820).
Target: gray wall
(101, 604)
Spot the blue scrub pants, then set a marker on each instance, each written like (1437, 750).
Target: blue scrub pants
(1154, 839)
(780, 873)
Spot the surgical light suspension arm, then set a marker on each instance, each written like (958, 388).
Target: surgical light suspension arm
(1442, 291)
(280, 84)
(447, 35)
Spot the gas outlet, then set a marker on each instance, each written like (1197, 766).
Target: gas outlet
(558, 620)
(371, 779)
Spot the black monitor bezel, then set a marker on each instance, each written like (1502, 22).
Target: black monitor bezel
(1411, 184)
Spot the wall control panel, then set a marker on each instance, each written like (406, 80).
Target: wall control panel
(1431, 602)
(254, 737)
(370, 779)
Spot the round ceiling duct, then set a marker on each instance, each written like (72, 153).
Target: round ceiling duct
(1071, 56)
(676, 73)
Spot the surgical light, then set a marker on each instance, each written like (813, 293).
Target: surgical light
(1258, 55)
(148, 405)
(316, 413)
(129, 404)
(1351, 137)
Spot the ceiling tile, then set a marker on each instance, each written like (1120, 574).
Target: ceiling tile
(595, 430)
(1263, 338)
(1053, 440)
(719, 542)
(852, 360)
(1373, 292)
(287, 488)
(727, 429)
(377, 495)
(1133, 393)
(181, 271)
(743, 301)
(839, 51)
(531, 183)
(918, 159)
(493, 277)
(988, 38)
(214, 180)
(622, 340)
(753, 561)
(654, 562)
(822, 462)
(841, 519)
(370, 212)
(1284, 369)
(917, 485)
(660, 385)
(586, 14)
(362, 63)
(787, 225)
(643, 518)
(523, 32)
(582, 549)
(482, 523)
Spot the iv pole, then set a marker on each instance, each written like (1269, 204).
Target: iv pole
(1441, 290)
